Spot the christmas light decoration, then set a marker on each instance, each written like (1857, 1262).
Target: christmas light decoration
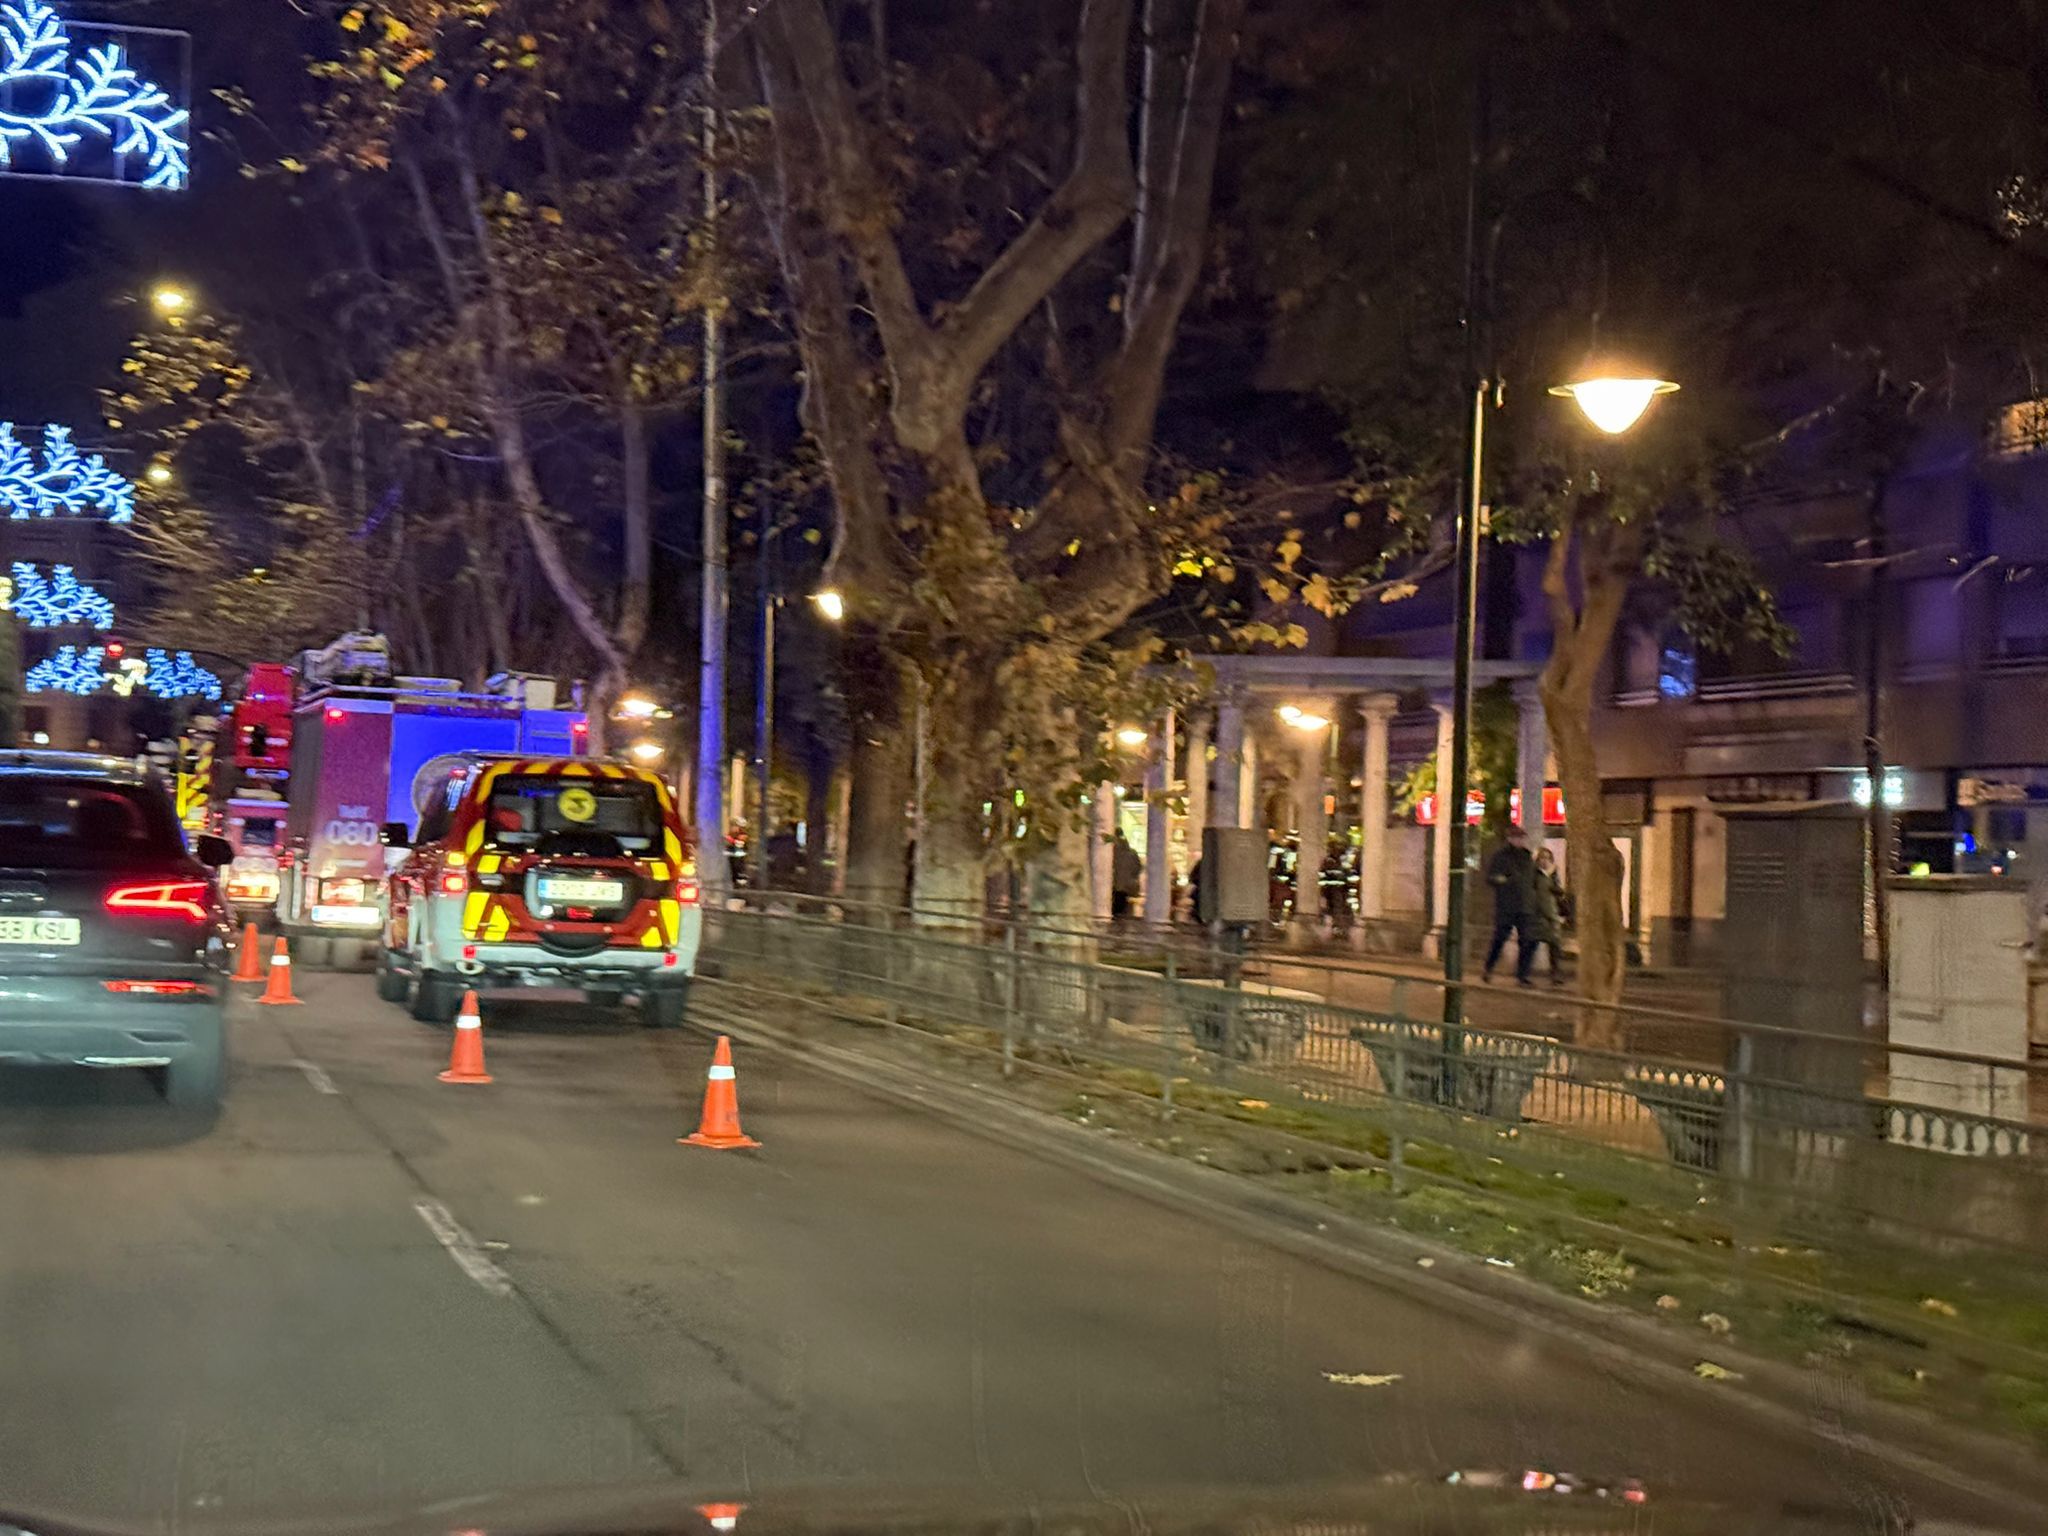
(83, 670)
(66, 482)
(58, 599)
(178, 676)
(70, 669)
(57, 99)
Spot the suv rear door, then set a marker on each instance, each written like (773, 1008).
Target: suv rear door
(95, 879)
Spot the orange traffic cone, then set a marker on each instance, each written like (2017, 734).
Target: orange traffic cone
(279, 987)
(249, 964)
(466, 1057)
(720, 1126)
(722, 1517)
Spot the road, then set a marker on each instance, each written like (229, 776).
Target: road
(362, 1289)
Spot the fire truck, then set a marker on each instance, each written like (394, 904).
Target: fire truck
(344, 741)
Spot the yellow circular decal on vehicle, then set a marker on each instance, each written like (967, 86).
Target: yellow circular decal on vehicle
(576, 804)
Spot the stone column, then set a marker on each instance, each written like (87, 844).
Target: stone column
(1196, 773)
(1100, 853)
(1159, 825)
(1250, 809)
(1378, 710)
(1311, 830)
(1227, 806)
(1450, 801)
(1532, 759)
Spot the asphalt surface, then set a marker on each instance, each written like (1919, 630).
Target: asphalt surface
(362, 1289)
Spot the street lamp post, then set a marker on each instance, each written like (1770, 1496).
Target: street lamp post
(764, 715)
(1613, 400)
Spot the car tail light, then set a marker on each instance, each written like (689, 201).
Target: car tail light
(159, 988)
(160, 898)
(688, 892)
(454, 882)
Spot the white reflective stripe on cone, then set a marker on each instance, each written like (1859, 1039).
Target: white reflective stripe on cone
(280, 959)
(468, 1021)
(721, 1074)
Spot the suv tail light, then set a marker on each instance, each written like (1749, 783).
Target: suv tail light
(454, 882)
(688, 892)
(159, 898)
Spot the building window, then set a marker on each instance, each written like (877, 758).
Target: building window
(2020, 428)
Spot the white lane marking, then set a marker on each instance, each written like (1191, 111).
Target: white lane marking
(317, 1076)
(1360, 1379)
(462, 1248)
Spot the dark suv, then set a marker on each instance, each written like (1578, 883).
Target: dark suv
(113, 938)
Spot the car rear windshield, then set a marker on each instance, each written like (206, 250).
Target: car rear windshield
(56, 823)
(259, 832)
(562, 814)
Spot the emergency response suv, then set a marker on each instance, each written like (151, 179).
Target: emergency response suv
(555, 872)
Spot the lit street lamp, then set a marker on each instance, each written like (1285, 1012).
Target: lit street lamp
(831, 603)
(1131, 736)
(1303, 719)
(170, 299)
(1614, 404)
(159, 473)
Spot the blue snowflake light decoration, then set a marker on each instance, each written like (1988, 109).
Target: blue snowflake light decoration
(82, 669)
(178, 676)
(70, 669)
(65, 482)
(58, 599)
(52, 99)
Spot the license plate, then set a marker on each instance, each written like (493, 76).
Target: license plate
(596, 893)
(38, 930)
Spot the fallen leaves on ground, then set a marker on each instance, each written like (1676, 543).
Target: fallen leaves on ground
(1359, 1379)
(1706, 1370)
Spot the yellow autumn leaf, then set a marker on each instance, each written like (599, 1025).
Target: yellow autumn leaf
(551, 215)
(1290, 548)
(1317, 594)
(1224, 571)
(1073, 546)
(352, 21)
(1294, 635)
(1187, 567)
(395, 31)
(1274, 588)
(296, 166)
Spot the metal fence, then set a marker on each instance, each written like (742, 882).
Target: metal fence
(1807, 1136)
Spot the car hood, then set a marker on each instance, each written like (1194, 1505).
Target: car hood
(1477, 1502)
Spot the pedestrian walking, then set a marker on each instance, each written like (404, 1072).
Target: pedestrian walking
(1512, 874)
(1546, 923)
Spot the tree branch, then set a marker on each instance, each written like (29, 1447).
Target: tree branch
(1163, 283)
(795, 43)
(837, 390)
(1097, 196)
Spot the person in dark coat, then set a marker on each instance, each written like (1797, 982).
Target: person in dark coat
(1512, 874)
(1546, 922)
(1126, 874)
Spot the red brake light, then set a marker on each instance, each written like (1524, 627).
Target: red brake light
(160, 898)
(688, 892)
(454, 883)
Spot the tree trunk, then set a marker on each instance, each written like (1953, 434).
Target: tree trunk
(820, 774)
(1594, 862)
(635, 454)
(1062, 916)
(878, 714)
(1581, 632)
